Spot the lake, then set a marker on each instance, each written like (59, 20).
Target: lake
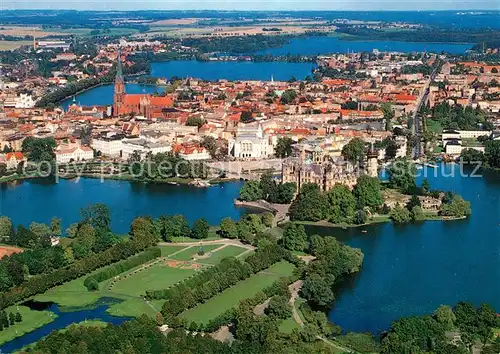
(326, 44)
(40, 200)
(407, 270)
(412, 269)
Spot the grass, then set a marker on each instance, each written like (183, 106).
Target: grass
(287, 326)
(228, 251)
(31, 321)
(230, 298)
(168, 250)
(132, 308)
(157, 277)
(189, 252)
(212, 235)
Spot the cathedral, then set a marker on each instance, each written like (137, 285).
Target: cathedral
(146, 105)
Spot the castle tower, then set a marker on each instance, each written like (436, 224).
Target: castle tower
(119, 87)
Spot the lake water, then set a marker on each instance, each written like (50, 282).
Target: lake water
(325, 45)
(64, 319)
(412, 269)
(408, 270)
(40, 200)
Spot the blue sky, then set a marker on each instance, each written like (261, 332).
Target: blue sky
(252, 4)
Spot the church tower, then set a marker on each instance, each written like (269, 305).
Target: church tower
(119, 87)
(372, 159)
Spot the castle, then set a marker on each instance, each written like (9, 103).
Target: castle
(321, 169)
(145, 105)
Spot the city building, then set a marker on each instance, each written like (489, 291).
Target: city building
(145, 105)
(69, 153)
(251, 142)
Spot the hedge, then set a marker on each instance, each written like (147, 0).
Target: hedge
(123, 266)
(200, 288)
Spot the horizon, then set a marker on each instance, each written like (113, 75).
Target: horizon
(255, 5)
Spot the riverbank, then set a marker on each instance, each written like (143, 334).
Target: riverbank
(31, 320)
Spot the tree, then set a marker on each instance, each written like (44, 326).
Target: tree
(361, 217)
(492, 153)
(310, 204)
(246, 117)
(426, 186)
(444, 315)
(18, 317)
(341, 204)
(228, 228)
(210, 144)
(388, 115)
(354, 150)
(39, 149)
(267, 219)
(368, 192)
(403, 175)
(400, 214)
(417, 213)
(317, 290)
(279, 307)
(55, 226)
(288, 96)
(200, 229)
(284, 147)
(286, 192)
(92, 285)
(195, 122)
(143, 232)
(413, 202)
(97, 215)
(294, 237)
(457, 207)
(40, 229)
(251, 191)
(5, 228)
(3, 169)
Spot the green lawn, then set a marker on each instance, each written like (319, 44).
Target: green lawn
(281, 269)
(228, 251)
(157, 277)
(132, 308)
(31, 321)
(168, 250)
(230, 298)
(287, 326)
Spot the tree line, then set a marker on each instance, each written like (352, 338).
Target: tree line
(339, 205)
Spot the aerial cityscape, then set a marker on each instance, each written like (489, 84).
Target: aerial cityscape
(250, 178)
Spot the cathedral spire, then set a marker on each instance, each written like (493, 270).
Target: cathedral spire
(119, 70)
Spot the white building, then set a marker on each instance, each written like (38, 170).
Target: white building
(251, 142)
(21, 101)
(65, 154)
(108, 146)
(143, 147)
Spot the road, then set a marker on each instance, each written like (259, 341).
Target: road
(417, 127)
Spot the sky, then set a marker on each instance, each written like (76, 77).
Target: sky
(253, 4)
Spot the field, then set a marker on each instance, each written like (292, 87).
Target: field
(157, 277)
(11, 45)
(31, 321)
(8, 250)
(131, 286)
(227, 251)
(230, 298)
